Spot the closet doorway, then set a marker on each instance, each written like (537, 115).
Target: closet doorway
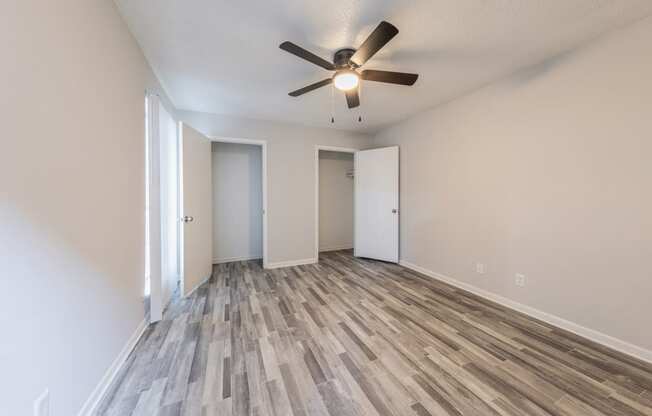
(334, 198)
(239, 188)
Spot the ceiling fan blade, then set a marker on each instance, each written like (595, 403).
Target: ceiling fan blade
(352, 98)
(308, 56)
(311, 87)
(400, 78)
(382, 34)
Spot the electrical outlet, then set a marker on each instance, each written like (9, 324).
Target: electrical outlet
(520, 280)
(42, 404)
(480, 268)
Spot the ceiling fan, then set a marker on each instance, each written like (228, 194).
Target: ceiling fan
(346, 63)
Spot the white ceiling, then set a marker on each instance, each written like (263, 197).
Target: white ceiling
(223, 57)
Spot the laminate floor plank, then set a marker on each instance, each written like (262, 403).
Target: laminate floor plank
(357, 337)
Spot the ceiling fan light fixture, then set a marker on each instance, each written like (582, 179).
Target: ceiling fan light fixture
(347, 62)
(346, 80)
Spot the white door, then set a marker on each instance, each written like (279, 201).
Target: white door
(196, 209)
(376, 204)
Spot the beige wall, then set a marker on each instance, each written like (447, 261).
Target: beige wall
(237, 202)
(71, 198)
(335, 201)
(290, 176)
(546, 173)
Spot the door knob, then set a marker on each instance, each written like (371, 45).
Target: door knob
(187, 219)
(394, 211)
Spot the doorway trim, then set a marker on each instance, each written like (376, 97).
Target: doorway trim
(329, 149)
(263, 145)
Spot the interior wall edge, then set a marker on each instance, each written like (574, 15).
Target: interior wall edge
(588, 333)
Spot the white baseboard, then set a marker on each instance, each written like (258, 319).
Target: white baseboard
(290, 263)
(232, 259)
(100, 390)
(590, 334)
(335, 248)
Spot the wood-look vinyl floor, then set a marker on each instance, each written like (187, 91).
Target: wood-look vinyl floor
(349, 337)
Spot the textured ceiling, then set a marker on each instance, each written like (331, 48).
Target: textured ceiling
(223, 56)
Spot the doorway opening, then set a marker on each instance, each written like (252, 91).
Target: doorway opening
(239, 195)
(334, 199)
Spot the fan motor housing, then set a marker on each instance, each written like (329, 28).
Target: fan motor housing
(342, 58)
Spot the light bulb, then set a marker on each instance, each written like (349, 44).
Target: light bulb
(346, 80)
